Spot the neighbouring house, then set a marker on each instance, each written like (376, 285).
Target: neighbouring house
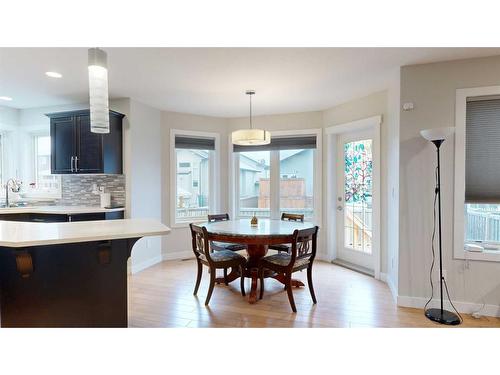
(192, 179)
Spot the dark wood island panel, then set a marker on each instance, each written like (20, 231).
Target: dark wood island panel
(66, 285)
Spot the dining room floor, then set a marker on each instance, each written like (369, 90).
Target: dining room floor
(162, 296)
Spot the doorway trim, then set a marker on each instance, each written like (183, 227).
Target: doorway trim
(332, 133)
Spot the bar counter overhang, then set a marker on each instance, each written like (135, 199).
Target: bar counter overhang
(68, 274)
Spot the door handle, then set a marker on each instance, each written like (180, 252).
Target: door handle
(76, 163)
(339, 208)
(72, 160)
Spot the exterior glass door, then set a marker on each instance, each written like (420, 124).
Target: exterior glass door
(355, 199)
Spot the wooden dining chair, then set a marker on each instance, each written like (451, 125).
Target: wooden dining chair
(213, 260)
(303, 251)
(219, 246)
(287, 217)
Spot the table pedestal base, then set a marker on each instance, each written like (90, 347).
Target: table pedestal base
(255, 253)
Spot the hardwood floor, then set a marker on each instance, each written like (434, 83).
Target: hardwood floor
(162, 296)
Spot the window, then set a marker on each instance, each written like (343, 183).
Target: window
(193, 155)
(297, 181)
(482, 176)
(1, 159)
(280, 177)
(43, 183)
(477, 176)
(254, 197)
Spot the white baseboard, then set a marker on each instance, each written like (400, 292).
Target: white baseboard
(145, 264)
(178, 255)
(323, 257)
(463, 307)
(390, 282)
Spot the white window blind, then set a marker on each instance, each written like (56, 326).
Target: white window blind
(482, 151)
(281, 143)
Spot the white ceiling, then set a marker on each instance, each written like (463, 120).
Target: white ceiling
(212, 81)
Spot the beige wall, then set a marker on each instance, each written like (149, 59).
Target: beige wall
(178, 243)
(292, 121)
(431, 87)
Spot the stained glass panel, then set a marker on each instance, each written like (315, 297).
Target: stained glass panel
(358, 187)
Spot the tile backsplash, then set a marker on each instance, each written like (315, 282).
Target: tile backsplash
(77, 189)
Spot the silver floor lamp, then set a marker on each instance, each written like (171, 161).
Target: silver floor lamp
(438, 136)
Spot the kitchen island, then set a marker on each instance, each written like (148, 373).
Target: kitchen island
(71, 274)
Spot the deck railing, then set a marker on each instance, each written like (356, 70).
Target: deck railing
(482, 226)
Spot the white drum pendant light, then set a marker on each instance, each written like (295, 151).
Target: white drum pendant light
(251, 137)
(98, 91)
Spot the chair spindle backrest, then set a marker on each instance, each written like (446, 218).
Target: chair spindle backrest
(292, 217)
(199, 236)
(218, 217)
(304, 244)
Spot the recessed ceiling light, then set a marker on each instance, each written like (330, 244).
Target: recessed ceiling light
(7, 98)
(53, 74)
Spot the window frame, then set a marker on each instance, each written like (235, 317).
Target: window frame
(38, 193)
(234, 167)
(2, 163)
(213, 176)
(459, 242)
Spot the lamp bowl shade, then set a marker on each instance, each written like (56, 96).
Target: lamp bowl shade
(251, 137)
(437, 134)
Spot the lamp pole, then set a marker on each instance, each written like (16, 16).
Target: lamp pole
(440, 315)
(438, 192)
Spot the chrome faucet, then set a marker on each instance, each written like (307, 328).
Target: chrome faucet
(7, 188)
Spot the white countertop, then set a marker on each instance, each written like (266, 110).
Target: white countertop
(21, 234)
(61, 210)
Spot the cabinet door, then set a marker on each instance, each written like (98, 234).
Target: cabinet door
(89, 153)
(63, 144)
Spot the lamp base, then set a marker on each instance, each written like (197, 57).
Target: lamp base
(443, 317)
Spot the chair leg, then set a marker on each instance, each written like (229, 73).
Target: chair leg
(261, 278)
(198, 278)
(242, 281)
(289, 292)
(211, 287)
(310, 283)
(225, 277)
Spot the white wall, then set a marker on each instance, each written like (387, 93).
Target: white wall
(9, 117)
(392, 193)
(9, 126)
(143, 169)
(431, 87)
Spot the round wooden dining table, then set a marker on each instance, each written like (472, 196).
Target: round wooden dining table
(257, 239)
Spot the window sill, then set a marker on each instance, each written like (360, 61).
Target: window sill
(185, 224)
(485, 255)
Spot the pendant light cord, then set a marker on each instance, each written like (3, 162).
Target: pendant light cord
(251, 126)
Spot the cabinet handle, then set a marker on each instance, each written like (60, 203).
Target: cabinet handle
(72, 159)
(76, 163)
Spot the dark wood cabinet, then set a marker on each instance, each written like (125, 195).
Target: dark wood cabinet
(63, 141)
(75, 149)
